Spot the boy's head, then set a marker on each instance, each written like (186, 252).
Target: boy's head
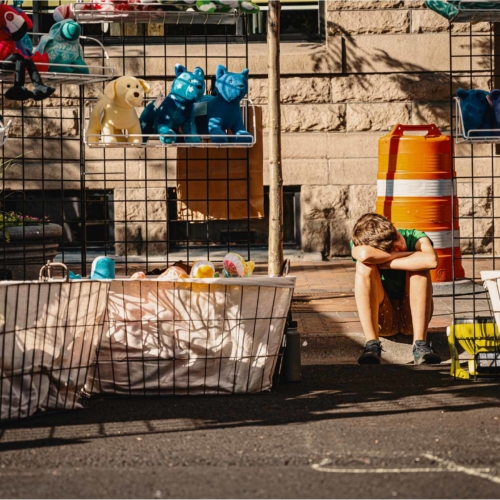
(377, 231)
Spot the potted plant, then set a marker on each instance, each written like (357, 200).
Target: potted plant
(26, 242)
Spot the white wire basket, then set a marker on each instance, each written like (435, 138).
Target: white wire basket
(97, 73)
(191, 337)
(150, 12)
(472, 136)
(125, 140)
(468, 12)
(49, 331)
(4, 132)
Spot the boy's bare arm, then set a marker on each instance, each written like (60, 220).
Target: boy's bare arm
(423, 259)
(370, 255)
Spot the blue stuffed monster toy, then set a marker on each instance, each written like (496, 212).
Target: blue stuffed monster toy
(63, 47)
(177, 109)
(223, 108)
(477, 112)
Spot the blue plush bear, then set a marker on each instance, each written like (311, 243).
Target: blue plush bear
(223, 108)
(477, 112)
(177, 109)
(62, 45)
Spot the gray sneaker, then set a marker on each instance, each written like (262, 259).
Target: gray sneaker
(424, 354)
(371, 353)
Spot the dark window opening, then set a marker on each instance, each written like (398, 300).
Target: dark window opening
(254, 232)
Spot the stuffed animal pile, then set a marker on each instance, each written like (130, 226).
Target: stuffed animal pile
(206, 6)
(216, 114)
(58, 51)
(233, 266)
(480, 111)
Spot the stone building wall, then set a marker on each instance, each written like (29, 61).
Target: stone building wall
(383, 62)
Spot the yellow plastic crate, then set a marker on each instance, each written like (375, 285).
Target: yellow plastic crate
(476, 336)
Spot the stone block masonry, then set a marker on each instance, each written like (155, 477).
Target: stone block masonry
(383, 62)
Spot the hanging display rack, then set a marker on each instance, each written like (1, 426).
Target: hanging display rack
(125, 140)
(152, 12)
(472, 136)
(467, 12)
(96, 73)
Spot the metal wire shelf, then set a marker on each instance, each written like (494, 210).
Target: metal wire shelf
(126, 140)
(472, 14)
(152, 12)
(96, 73)
(481, 136)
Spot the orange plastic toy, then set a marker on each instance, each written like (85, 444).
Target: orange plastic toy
(415, 187)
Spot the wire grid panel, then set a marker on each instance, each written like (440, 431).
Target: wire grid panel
(48, 335)
(214, 336)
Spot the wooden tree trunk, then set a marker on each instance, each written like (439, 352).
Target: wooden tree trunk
(275, 173)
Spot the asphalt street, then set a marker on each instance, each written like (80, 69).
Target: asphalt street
(345, 431)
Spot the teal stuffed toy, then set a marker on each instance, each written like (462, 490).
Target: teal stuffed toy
(223, 108)
(63, 47)
(477, 112)
(177, 110)
(103, 268)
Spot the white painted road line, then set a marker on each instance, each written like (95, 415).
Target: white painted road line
(452, 466)
(449, 466)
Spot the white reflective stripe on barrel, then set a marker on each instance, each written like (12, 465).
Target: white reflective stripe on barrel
(416, 188)
(442, 239)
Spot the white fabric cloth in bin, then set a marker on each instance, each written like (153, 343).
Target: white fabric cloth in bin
(211, 336)
(48, 335)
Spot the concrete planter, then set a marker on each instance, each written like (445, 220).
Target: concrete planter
(28, 250)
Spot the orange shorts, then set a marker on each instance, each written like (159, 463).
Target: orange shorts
(394, 316)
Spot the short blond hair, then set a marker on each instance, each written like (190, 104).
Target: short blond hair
(376, 231)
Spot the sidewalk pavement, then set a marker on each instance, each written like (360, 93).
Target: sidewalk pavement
(325, 309)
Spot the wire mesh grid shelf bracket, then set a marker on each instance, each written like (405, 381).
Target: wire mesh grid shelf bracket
(468, 12)
(473, 334)
(178, 140)
(473, 136)
(152, 12)
(71, 75)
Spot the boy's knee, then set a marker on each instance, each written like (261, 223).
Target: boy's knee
(420, 275)
(366, 269)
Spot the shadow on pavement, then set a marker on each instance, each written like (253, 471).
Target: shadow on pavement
(326, 393)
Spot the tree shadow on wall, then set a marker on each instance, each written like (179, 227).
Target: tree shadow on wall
(428, 92)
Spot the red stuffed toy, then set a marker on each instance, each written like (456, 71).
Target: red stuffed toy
(14, 24)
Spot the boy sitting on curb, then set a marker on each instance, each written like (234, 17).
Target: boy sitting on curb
(393, 287)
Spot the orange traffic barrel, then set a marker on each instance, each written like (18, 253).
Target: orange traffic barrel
(415, 189)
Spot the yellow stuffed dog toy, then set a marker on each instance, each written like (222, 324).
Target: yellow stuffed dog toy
(114, 115)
